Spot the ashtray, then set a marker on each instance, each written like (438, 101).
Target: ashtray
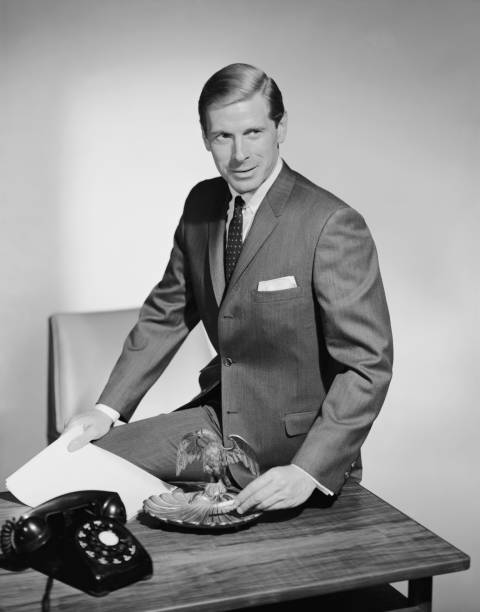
(187, 506)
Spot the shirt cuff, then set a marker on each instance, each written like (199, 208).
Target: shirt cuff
(110, 412)
(317, 484)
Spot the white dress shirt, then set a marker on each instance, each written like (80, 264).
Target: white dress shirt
(252, 200)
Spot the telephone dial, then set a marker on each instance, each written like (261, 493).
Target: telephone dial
(80, 539)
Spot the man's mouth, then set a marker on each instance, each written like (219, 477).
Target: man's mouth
(243, 171)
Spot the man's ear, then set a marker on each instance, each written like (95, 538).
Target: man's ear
(282, 128)
(205, 141)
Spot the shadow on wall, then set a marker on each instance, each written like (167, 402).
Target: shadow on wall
(31, 258)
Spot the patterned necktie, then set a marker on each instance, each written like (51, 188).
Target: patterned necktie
(234, 239)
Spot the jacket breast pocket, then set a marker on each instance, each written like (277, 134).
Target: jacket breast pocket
(279, 295)
(298, 423)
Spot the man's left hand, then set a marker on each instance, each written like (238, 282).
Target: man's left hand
(280, 487)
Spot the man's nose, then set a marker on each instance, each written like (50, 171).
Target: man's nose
(240, 153)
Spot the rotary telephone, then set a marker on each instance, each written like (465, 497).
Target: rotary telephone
(78, 538)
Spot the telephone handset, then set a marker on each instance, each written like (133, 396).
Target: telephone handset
(80, 539)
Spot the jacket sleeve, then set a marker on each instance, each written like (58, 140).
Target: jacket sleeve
(356, 328)
(167, 316)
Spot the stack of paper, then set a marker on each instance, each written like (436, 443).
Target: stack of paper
(55, 471)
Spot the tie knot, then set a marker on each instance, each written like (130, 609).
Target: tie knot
(239, 202)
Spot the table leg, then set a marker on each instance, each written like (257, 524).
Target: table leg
(420, 594)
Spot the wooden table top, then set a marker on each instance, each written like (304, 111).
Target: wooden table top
(359, 541)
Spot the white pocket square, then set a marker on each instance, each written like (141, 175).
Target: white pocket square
(277, 284)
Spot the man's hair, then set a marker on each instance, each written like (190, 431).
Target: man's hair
(237, 82)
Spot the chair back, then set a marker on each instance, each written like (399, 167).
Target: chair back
(83, 348)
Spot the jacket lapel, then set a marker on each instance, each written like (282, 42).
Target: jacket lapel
(216, 237)
(265, 220)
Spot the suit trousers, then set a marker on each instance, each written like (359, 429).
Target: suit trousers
(152, 443)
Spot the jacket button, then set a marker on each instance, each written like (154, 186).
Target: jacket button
(227, 362)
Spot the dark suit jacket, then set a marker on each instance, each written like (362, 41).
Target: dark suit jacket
(304, 371)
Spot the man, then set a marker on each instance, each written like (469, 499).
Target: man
(285, 278)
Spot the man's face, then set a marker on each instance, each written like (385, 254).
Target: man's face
(244, 141)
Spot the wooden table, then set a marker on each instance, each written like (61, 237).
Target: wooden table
(347, 553)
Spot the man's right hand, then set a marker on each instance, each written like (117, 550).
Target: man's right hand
(95, 425)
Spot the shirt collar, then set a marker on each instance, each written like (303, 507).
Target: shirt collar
(254, 201)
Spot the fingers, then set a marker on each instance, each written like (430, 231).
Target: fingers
(252, 494)
(82, 440)
(263, 493)
(279, 487)
(94, 423)
(268, 499)
(71, 423)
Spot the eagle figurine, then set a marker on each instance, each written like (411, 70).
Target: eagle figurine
(210, 505)
(206, 446)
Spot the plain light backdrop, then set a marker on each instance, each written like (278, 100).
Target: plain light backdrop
(100, 144)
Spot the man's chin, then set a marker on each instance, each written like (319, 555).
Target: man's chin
(244, 185)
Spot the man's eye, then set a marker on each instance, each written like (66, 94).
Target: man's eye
(221, 137)
(254, 132)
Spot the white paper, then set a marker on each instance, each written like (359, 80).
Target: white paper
(56, 470)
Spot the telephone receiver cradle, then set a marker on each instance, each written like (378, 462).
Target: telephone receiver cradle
(80, 539)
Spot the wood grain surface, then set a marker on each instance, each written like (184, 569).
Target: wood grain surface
(358, 542)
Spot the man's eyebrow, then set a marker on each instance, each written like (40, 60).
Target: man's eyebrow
(252, 128)
(217, 132)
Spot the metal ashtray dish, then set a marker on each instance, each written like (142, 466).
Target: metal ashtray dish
(193, 509)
